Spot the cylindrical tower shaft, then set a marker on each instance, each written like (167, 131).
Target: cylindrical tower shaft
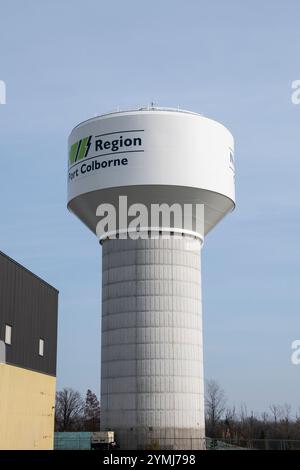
(152, 366)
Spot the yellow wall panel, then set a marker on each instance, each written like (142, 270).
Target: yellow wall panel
(27, 402)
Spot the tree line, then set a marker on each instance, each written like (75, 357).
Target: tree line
(225, 422)
(76, 413)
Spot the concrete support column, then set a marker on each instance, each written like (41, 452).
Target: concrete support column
(152, 366)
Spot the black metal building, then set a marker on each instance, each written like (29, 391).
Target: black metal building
(28, 318)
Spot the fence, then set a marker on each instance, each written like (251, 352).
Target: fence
(259, 444)
(82, 441)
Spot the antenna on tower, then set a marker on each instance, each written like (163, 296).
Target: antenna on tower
(153, 105)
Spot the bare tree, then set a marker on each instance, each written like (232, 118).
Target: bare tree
(229, 422)
(285, 419)
(230, 413)
(68, 410)
(276, 412)
(243, 412)
(215, 402)
(286, 412)
(298, 415)
(264, 417)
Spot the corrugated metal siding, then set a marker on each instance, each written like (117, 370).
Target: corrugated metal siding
(152, 367)
(29, 305)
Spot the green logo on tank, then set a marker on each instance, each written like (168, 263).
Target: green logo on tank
(80, 149)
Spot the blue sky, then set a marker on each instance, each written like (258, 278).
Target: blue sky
(65, 61)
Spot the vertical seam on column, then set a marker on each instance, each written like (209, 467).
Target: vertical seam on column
(201, 339)
(136, 342)
(173, 339)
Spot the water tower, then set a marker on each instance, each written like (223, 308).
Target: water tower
(151, 361)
